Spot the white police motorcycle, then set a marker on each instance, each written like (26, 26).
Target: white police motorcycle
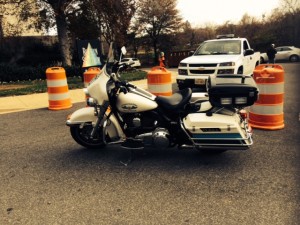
(121, 113)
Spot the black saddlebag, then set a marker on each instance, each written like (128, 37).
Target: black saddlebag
(232, 90)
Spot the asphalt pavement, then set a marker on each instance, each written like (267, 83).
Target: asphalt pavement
(47, 178)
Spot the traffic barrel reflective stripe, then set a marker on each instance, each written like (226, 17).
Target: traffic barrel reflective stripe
(159, 81)
(266, 122)
(270, 93)
(90, 74)
(267, 111)
(57, 87)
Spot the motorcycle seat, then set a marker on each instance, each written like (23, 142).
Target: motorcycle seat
(176, 101)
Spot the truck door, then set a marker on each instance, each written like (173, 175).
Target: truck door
(247, 59)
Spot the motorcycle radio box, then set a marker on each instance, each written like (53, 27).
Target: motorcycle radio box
(232, 90)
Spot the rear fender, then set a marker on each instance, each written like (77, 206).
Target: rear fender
(86, 115)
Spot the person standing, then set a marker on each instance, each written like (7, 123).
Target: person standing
(162, 59)
(271, 53)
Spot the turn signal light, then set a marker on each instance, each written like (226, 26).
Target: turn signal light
(244, 114)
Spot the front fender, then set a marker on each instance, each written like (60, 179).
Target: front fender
(86, 115)
(83, 115)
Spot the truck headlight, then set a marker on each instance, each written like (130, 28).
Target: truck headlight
(227, 64)
(182, 72)
(183, 64)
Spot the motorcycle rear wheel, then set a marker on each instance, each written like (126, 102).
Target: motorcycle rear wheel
(82, 136)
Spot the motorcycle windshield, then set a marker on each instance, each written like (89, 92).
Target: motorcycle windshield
(112, 58)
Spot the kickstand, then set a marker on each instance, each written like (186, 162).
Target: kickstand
(130, 158)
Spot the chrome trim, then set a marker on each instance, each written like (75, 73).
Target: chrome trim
(85, 91)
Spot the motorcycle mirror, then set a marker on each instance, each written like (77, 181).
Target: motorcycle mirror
(191, 53)
(123, 50)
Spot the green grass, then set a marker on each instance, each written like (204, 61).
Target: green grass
(40, 86)
(134, 75)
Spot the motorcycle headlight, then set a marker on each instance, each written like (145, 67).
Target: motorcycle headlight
(91, 102)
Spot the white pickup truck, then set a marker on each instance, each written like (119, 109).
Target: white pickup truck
(225, 55)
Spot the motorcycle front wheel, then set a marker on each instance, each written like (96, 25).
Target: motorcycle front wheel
(81, 134)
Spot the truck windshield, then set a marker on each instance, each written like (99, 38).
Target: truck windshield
(222, 47)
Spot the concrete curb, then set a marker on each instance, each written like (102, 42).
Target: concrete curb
(40, 100)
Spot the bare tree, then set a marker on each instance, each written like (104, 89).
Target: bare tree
(59, 9)
(189, 35)
(114, 18)
(84, 23)
(292, 18)
(157, 17)
(291, 6)
(13, 16)
(44, 14)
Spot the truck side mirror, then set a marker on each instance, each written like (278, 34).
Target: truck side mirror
(249, 52)
(191, 53)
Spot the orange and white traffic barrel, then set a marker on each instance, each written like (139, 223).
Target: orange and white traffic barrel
(267, 112)
(90, 74)
(159, 81)
(58, 91)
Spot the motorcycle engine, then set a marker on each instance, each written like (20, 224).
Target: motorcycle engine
(146, 126)
(140, 121)
(160, 137)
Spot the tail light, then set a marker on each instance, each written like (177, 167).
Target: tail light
(244, 114)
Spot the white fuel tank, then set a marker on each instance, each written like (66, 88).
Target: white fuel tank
(134, 101)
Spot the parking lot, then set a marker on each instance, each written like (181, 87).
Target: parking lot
(46, 178)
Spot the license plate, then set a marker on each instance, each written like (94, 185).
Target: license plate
(200, 81)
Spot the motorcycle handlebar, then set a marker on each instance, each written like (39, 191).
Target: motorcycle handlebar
(124, 86)
(123, 66)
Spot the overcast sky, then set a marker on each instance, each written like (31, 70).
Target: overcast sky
(201, 12)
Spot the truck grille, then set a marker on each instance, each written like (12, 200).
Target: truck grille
(203, 65)
(202, 71)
